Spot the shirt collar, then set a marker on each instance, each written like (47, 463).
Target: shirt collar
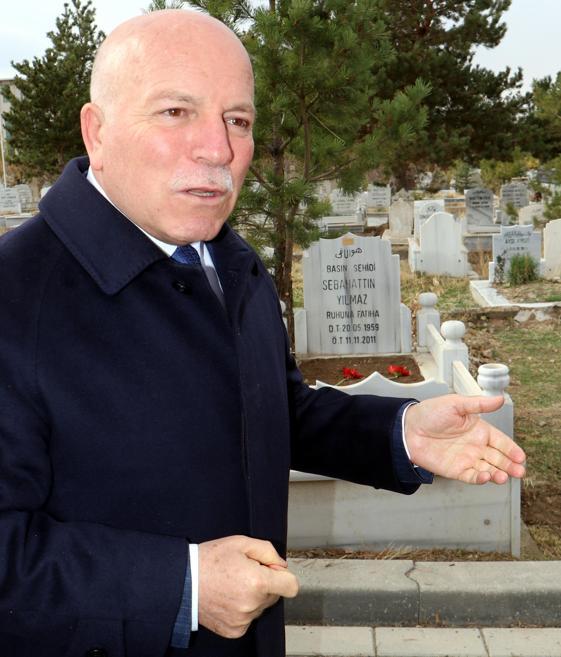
(168, 249)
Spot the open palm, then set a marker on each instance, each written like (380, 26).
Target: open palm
(446, 436)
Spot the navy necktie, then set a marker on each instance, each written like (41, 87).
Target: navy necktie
(186, 255)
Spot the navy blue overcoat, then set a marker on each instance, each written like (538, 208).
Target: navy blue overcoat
(136, 414)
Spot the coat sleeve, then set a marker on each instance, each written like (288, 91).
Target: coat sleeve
(344, 436)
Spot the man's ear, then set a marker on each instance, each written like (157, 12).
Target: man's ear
(91, 121)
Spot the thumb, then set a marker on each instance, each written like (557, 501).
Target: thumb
(480, 404)
(264, 553)
(283, 583)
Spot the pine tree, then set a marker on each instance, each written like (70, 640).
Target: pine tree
(319, 115)
(43, 121)
(158, 5)
(472, 110)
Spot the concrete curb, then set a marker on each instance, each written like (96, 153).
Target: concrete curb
(303, 641)
(407, 593)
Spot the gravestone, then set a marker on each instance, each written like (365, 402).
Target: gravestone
(401, 218)
(352, 296)
(455, 205)
(530, 214)
(513, 241)
(376, 203)
(9, 201)
(515, 193)
(377, 199)
(552, 249)
(344, 204)
(440, 249)
(479, 208)
(422, 210)
(25, 196)
(44, 190)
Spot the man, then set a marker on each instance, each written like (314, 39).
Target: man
(149, 404)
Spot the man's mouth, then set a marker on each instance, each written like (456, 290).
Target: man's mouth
(206, 193)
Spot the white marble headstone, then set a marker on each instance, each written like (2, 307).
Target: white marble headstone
(422, 210)
(441, 246)
(515, 193)
(377, 199)
(552, 249)
(10, 201)
(352, 296)
(513, 241)
(479, 208)
(401, 218)
(343, 204)
(25, 196)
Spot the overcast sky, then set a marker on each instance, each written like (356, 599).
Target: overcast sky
(532, 40)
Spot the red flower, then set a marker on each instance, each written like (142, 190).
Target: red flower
(349, 373)
(398, 370)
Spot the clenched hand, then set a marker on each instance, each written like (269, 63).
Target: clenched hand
(239, 577)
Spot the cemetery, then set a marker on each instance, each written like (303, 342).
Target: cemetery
(354, 325)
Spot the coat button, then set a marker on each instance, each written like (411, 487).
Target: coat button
(182, 287)
(96, 652)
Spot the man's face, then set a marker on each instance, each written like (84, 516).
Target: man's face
(177, 142)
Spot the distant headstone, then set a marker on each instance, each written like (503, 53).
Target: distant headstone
(377, 199)
(401, 218)
(552, 249)
(343, 204)
(515, 193)
(25, 196)
(440, 249)
(44, 190)
(512, 241)
(352, 296)
(455, 205)
(10, 201)
(403, 194)
(422, 210)
(479, 208)
(530, 214)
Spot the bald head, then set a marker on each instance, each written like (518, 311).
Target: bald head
(169, 129)
(123, 54)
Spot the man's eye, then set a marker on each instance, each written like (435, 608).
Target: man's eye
(239, 122)
(174, 112)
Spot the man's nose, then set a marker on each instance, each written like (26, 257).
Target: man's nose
(211, 144)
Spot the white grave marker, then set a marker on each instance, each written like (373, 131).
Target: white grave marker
(513, 241)
(422, 210)
(515, 193)
(479, 208)
(441, 250)
(401, 218)
(352, 296)
(344, 204)
(552, 249)
(25, 196)
(9, 201)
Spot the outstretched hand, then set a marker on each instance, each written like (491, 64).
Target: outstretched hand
(446, 436)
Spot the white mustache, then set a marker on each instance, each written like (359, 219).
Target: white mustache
(210, 177)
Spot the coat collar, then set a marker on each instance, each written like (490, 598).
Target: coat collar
(109, 246)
